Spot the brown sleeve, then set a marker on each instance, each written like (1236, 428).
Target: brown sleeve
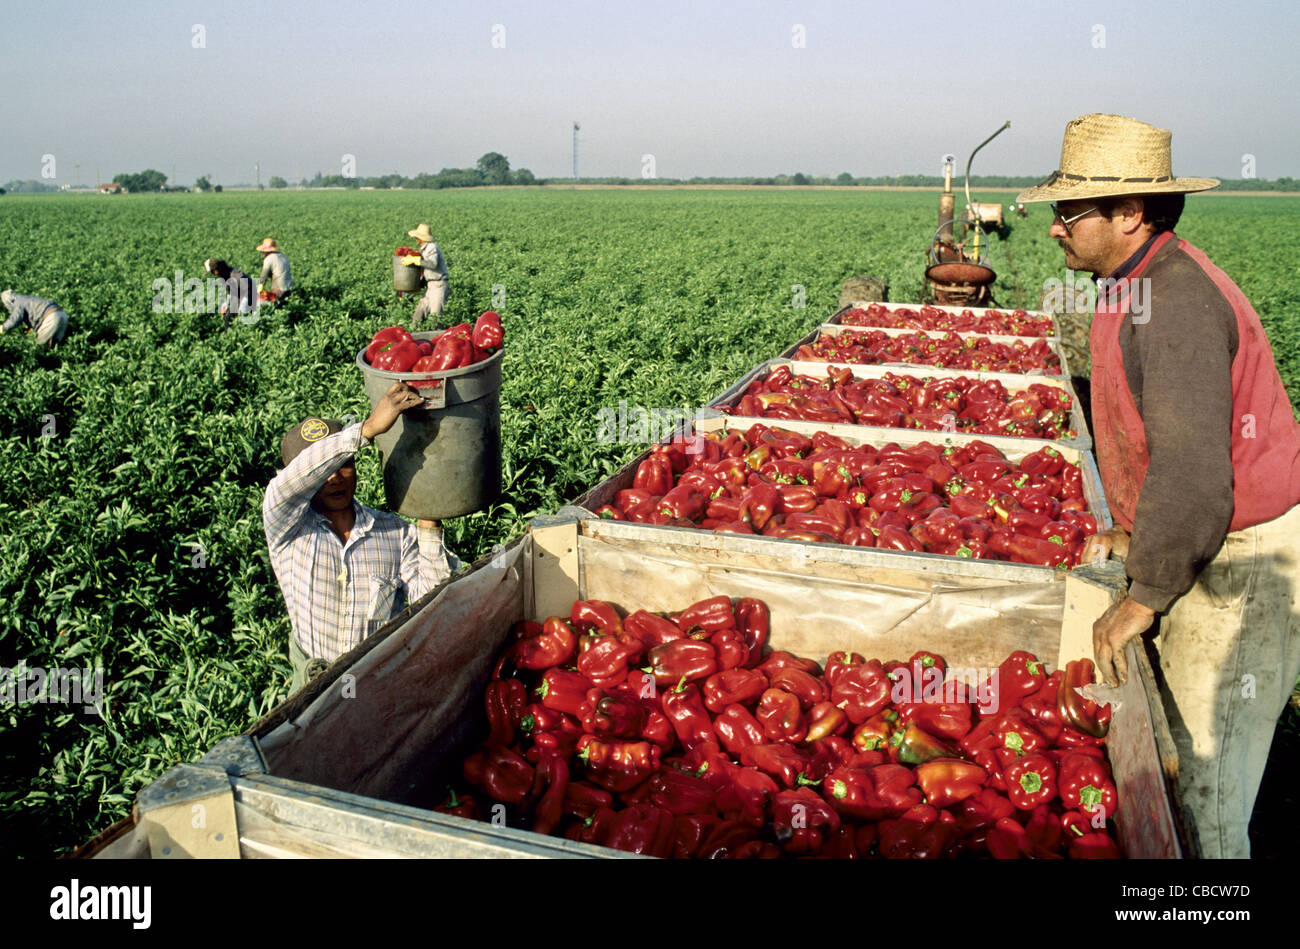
(1183, 360)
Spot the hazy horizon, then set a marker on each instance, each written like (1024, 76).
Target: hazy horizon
(733, 90)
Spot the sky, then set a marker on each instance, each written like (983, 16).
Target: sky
(709, 89)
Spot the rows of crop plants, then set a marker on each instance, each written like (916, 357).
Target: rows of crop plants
(135, 455)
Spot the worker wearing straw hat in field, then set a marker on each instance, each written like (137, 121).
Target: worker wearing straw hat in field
(276, 281)
(344, 569)
(1199, 454)
(44, 316)
(433, 268)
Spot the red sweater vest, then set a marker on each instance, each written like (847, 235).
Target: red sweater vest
(1265, 436)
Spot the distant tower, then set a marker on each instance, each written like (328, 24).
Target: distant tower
(575, 153)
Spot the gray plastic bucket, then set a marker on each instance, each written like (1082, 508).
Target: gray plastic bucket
(406, 277)
(442, 459)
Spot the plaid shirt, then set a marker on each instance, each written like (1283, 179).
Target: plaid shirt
(337, 594)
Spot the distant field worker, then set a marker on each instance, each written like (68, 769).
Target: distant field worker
(240, 296)
(276, 279)
(344, 569)
(44, 316)
(434, 274)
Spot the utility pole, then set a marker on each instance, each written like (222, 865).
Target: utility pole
(575, 154)
(257, 170)
(76, 173)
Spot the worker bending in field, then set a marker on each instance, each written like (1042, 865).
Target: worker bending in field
(1199, 454)
(44, 316)
(344, 569)
(276, 281)
(240, 297)
(433, 273)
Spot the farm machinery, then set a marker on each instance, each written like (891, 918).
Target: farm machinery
(957, 268)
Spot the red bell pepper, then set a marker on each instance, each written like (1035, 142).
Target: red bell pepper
(617, 765)
(382, 338)
(1086, 785)
(500, 773)
(950, 720)
(782, 761)
(737, 729)
(983, 809)
(1008, 840)
(679, 793)
(1020, 675)
(781, 716)
(682, 660)
(582, 800)
(654, 475)
(779, 660)
(923, 833)
(825, 720)
(805, 687)
(643, 829)
(689, 833)
(862, 691)
(948, 781)
(729, 648)
(1031, 780)
(1076, 711)
(505, 700)
(462, 805)
(802, 821)
(1094, 847)
(914, 745)
(871, 794)
(552, 774)
(760, 504)
(606, 662)
(487, 334)
(839, 662)
(709, 615)
(744, 795)
(651, 630)
(875, 733)
(565, 691)
(397, 355)
(1017, 729)
(555, 646)
(686, 711)
(734, 686)
(613, 716)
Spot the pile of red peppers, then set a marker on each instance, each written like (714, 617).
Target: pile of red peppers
(899, 401)
(967, 501)
(393, 349)
(687, 736)
(995, 322)
(406, 252)
(950, 351)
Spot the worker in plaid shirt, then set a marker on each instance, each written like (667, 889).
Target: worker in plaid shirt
(345, 569)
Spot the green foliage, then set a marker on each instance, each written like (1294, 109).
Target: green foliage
(166, 427)
(278, 182)
(494, 168)
(147, 180)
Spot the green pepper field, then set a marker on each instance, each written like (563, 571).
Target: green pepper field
(134, 456)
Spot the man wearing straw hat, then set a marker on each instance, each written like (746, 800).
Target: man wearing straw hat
(44, 316)
(344, 569)
(433, 269)
(1199, 454)
(276, 279)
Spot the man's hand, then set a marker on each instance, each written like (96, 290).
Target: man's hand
(1104, 543)
(396, 400)
(426, 522)
(1119, 624)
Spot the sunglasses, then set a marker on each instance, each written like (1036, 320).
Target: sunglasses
(1067, 221)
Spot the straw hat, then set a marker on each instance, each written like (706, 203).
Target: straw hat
(268, 247)
(421, 233)
(1108, 155)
